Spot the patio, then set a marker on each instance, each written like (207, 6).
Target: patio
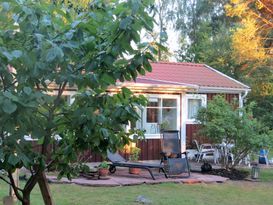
(123, 178)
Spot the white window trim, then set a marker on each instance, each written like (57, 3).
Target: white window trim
(203, 99)
(163, 96)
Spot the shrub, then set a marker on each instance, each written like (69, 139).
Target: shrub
(221, 121)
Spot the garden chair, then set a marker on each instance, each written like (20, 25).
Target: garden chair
(118, 161)
(205, 150)
(176, 162)
(170, 144)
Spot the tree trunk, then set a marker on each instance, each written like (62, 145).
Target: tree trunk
(26, 199)
(44, 187)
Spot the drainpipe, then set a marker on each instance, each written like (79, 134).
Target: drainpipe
(241, 98)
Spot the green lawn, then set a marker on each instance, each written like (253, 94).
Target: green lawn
(232, 192)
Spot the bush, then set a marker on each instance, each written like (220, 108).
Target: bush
(222, 121)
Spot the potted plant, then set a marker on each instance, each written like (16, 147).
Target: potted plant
(134, 156)
(103, 169)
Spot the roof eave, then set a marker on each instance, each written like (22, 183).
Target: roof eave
(207, 89)
(158, 88)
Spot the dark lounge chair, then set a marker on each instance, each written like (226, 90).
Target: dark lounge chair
(118, 161)
(176, 161)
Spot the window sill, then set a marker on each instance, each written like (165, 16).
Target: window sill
(191, 122)
(152, 136)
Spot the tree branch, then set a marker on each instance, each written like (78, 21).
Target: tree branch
(3, 80)
(31, 183)
(265, 6)
(3, 178)
(15, 188)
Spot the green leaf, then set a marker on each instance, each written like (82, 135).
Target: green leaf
(13, 160)
(125, 23)
(26, 161)
(27, 90)
(108, 78)
(41, 140)
(1, 154)
(135, 6)
(54, 53)
(10, 96)
(8, 55)
(126, 92)
(147, 65)
(6, 6)
(17, 53)
(75, 24)
(9, 107)
(104, 132)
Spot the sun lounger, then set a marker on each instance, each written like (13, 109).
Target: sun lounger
(118, 161)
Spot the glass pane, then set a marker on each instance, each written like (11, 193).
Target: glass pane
(152, 115)
(153, 102)
(169, 119)
(152, 128)
(193, 107)
(169, 103)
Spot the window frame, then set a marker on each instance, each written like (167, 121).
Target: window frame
(144, 115)
(202, 97)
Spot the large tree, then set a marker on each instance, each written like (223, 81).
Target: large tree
(253, 39)
(47, 49)
(252, 43)
(205, 34)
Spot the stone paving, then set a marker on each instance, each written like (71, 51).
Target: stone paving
(123, 178)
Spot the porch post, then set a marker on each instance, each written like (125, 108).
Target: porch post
(183, 121)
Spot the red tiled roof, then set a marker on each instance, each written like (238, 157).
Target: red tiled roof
(188, 73)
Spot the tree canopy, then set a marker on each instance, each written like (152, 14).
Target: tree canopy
(48, 49)
(253, 40)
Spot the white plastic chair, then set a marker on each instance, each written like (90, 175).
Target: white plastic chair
(203, 150)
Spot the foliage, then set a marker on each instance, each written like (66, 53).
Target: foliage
(104, 165)
(205, 34)
(252, 41)
(262, 94)
(134, 153)
(48, 50)
(159, 35)
(221, 121)
(264, 110)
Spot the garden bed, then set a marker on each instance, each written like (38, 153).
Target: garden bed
(233, 174)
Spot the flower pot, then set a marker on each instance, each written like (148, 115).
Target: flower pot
(134, 170)
(103, 172)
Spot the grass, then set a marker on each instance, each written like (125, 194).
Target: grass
(232, 192)
(266, 174)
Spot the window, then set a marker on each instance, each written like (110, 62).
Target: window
(193, 106)
(194, 103)
(160, 113)
(68, 99)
